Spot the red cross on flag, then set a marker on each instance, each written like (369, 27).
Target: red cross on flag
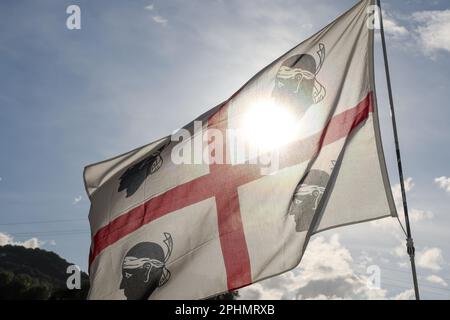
(233, 197)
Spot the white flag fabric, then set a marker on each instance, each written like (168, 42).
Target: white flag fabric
(234, 197)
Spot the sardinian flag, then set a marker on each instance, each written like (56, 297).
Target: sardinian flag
(234, 197)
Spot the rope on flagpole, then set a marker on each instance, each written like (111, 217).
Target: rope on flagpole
(409, 241)
(401, 226)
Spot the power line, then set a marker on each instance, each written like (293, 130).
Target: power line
(430, 290)
(56, 235)
(421, 285)
(406, 272)
(42, 221)
(50, 232)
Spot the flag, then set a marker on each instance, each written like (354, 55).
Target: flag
(234, 197)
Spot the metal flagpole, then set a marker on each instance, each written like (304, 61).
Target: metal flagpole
(409, 240)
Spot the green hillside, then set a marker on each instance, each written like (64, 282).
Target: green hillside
(36, 274)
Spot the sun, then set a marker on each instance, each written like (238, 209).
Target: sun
(269, 125)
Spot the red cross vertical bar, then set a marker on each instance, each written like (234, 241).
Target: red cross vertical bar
(231, 230)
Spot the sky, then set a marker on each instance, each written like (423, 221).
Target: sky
(137, 70)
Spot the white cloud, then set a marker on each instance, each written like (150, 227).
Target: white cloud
(325, 272)
(443, 182)
(76, 200)
(6, 239)
(393, 28)
(397, 193)
(156, 18)
(417, 215)
(436, 279)
(396, 190)
(405, 295)
(388, 224)
(150, 7)
(433, 30)
(399, 251)
(430, 258)
(328, 271)
(428, 31)
(160, 20)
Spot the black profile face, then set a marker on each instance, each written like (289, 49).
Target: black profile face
(135, 175)
(296, 85)
(143, 269)
(307, 197)
(295, 81)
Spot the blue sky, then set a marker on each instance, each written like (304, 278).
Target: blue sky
(137, 70)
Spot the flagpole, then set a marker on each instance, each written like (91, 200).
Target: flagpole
(409, 240)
